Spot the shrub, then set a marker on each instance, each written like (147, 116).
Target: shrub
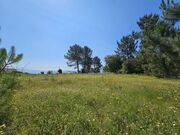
(60, 71)
(50, 72)
(7, 84)
(113, 63)
(42, 73)
(131, 66)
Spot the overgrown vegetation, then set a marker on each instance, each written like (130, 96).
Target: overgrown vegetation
(155, 50)
(98, 104)
(7, 84)
(77, 104)
(113, 63)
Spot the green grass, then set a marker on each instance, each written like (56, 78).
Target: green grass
(95, 104)
(7, 84)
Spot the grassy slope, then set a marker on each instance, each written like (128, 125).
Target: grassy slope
(96, 104)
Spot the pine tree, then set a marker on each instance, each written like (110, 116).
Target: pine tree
(171, 10)
(159, 54)
(74, 56)
(97, 64)
(7, 59)
(127, 47)
(86, 60)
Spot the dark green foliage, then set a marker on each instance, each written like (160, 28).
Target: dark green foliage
(113, 63)
(49, 72)
(171, 11)
(42, 73)
(152, 23)
(155, 50)
(159, 53)
(83, 71)
(7, 59)
(127, 47)
(97, 64)
(132, 66)
(74, 56)
(7, 84)
(147, 22)
(127, 51)
(86, 60)
(60, 71)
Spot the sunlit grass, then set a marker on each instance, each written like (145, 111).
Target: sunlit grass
(95, 104)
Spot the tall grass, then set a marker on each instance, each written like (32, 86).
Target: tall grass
(95, 104)
(7, 84)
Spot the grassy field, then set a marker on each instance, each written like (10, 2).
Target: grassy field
(96, 105)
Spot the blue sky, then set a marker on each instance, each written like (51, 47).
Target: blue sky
(43, 30)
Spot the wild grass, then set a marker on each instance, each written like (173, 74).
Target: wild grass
(95, 104)
(7, 84)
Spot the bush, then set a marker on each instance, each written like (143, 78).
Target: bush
(50, 72)
(83, 71)
(7, 84)
(113, 63)
(42, 73)
(60, 71)
(131, 66)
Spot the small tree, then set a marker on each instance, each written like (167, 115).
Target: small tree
(74, 56)
(60, 71)
(42, 73)
(131, 66)
(7, 59)
(113, 63)
(50, 72)
(96, 64)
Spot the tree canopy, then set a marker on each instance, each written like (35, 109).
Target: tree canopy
(74, 56)
(127, 47)
(96, 64)
(86, 60)
(154, 50)
(82, 56)
(113, 63)
(171, 10)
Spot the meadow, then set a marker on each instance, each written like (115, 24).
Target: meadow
(103, 104)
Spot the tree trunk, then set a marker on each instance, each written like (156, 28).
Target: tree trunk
(77, 66)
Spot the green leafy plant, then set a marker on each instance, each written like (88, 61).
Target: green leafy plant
(7, 83)
(7, 59)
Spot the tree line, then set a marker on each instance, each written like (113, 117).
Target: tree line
(78, 56)
(154, 50)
